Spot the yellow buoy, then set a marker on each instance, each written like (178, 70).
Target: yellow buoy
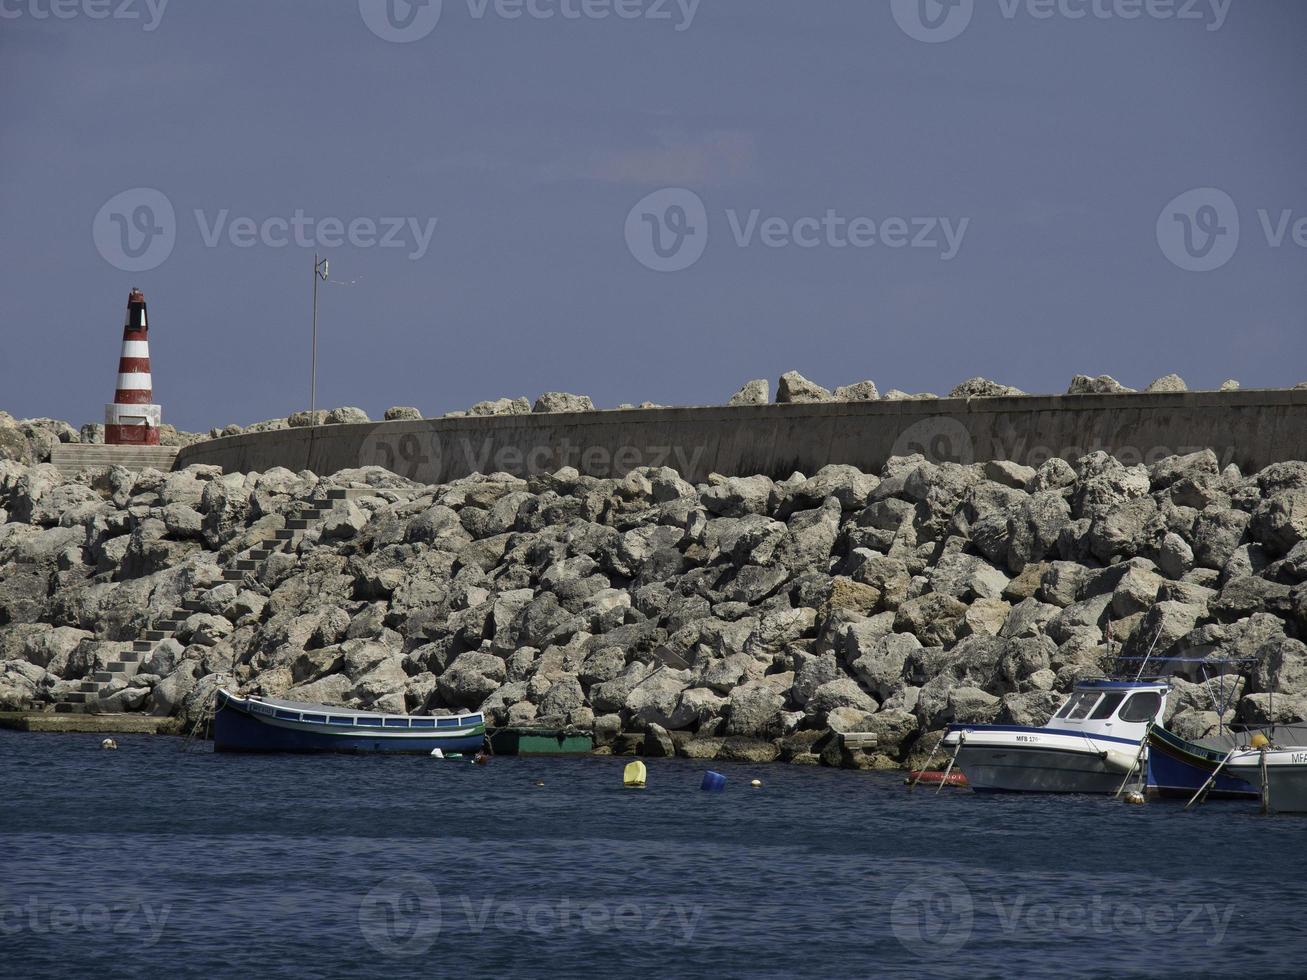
(634, 775)
(1134, 796)
(756, 784)
(1260, 741)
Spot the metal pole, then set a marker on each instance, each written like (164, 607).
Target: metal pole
(1266, 785)
(962, 740)
(313, 370)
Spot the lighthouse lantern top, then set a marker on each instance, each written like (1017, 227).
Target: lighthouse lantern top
(136, 311)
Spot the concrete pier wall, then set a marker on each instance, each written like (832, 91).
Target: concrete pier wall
(1250, 428)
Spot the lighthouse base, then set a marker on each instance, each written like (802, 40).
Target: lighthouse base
(132, 425)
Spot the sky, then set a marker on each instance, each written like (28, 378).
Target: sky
(645, 200)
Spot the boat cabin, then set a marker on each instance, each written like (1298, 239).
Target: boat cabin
(1120, 708)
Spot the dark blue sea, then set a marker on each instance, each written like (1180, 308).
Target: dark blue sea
(151, 862)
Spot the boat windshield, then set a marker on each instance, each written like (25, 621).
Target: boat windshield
(1141, 706)
(1078, 705)
(1107, 706)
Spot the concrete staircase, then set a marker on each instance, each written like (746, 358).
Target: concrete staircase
(247, 563)
(72, 457)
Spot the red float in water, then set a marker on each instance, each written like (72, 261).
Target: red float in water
(933, 777)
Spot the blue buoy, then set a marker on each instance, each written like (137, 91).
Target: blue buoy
(713, 782)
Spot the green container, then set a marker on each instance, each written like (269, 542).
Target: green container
(541, 741)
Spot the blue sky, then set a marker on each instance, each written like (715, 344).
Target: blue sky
(1016, 191)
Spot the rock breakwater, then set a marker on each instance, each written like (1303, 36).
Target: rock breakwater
(741, 618)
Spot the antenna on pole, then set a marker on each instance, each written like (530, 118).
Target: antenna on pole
(319, 272)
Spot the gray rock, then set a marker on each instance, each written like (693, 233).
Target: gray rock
(512, 406)
(860, 391)
(840, 693)
(933, 619)
(1104, 384)
(345, 415)
(1009, 474)
(983, 388)
(756, 392)
(402, 413)
(967, 577)
(1168, 382)
(561, 401)
(794, 388)
(754, 710)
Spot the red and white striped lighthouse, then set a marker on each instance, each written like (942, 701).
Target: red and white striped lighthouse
(132, 419)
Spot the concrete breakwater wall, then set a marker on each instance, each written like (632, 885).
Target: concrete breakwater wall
(1251, 428)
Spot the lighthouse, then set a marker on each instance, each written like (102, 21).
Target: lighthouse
(132, 419)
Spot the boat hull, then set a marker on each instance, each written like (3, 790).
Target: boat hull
(238, 728)
(1287, 790)
(1179, 768)
(1019, 769)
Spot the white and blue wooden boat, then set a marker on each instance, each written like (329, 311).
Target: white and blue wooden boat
(1278, 774)
(1089, 745)
(258, 724)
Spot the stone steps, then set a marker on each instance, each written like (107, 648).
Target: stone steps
(72, 457)
(129, 662)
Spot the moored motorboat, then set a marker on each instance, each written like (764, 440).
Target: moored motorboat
(1279, 773)
(259, 724)
(1090, 745)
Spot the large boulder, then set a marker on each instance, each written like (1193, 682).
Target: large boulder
(756, 392)
(794, 388)
(561, 401)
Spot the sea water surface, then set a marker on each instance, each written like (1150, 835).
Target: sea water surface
(149, 861)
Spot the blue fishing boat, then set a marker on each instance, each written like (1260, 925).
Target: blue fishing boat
(258, 724)
(1179, 767)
